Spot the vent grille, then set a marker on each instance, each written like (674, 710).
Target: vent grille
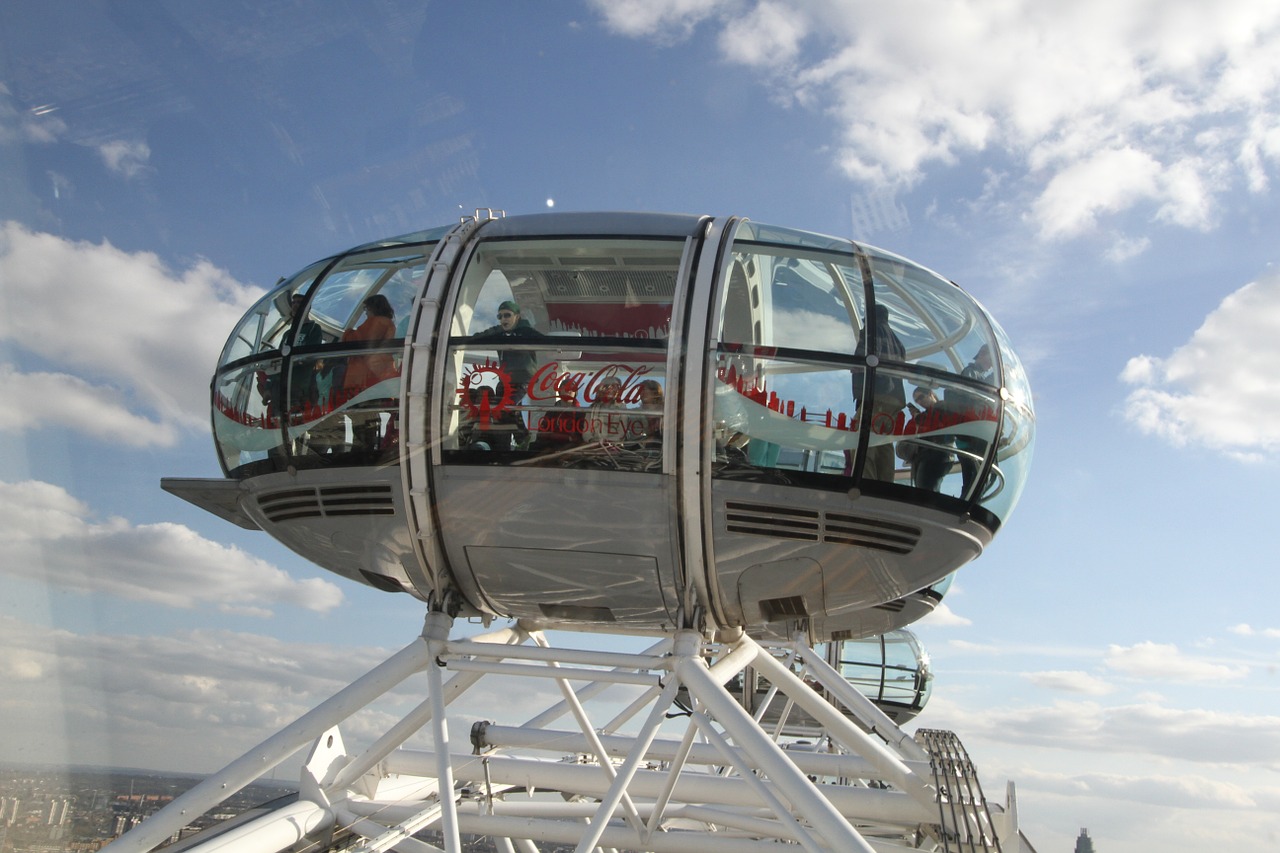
(776, 609)
(326, 502)
(783, 522)
(813, 526)
(576, 612)
(611, 284)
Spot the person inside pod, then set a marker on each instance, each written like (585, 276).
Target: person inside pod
(517, 365)
(364, 371)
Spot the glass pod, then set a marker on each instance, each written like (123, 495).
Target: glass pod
(625, 422)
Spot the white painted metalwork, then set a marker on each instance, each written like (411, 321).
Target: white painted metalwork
(660, 756)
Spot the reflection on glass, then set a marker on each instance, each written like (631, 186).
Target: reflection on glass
(326, 420)
(835, 365)
(909, 396)
(891, 669)
(945, 441)
(1012, 460)
(339, 301)
(1017, 435)
(264, 327)
(783, 414)
(775, 297)
(329, 392)
(557, 348)
(334, 415)
(570, 414)
(247, 409)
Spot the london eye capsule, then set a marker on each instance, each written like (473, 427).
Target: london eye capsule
(625, 422)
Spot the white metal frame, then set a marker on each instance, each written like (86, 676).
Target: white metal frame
(707, 779)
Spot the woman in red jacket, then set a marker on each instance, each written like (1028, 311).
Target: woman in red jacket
(379, 325)
(365, 370)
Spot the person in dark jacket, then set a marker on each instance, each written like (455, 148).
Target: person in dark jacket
(518, 365)
(930, 456)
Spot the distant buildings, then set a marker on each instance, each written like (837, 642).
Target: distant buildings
(1084, 844)
(78, 810)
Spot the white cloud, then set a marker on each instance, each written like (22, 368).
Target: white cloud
(196, 699)
(48, 536)
(1188, 792)
(1233, 815)
(1184, 92)
(1149, 730)
(117, 320)
(1124, 248)
(944, 617)
(1246, 630)
(1166, 663)
(1220, 389)
(1072, 681)
(188, 701)
(769, 33)
(58, 399)
(662, 19)
(1103, 182)
(125, 158)
(979, 648)
(1262, 144)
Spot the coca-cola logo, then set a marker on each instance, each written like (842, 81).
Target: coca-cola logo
(486, 390)
(545, 383)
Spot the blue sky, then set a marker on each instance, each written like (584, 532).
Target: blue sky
(1100, 175)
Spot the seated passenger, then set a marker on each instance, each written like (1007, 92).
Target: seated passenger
(329, 433)
(607, 420)
(649, 419)
(473, 429)
(563, 426)
(379, 325)
(364, 371)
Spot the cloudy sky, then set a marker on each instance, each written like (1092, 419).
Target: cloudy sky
(1101, 175)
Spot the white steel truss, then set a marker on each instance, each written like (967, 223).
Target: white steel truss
(677, 765)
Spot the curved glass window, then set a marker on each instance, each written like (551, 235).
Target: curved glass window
(940, 325)
(246, 413)
(791, 305)
(944, 442)
(860, 367)
(264, 327)
(312, 374)
(558, 353)
(1011, 461)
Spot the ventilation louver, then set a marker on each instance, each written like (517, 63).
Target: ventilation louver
(789, 607)
(813, 526)
(326, 502)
